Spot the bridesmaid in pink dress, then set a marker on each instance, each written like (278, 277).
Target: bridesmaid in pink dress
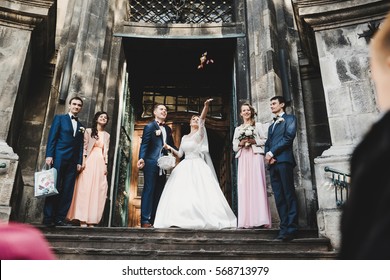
(248, 143)
(91, 185)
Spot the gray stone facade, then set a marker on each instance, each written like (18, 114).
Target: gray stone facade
(26, 45)
(336, 46)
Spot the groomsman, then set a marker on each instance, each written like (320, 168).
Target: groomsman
(64, 151)
(280, 159)
(155, 135)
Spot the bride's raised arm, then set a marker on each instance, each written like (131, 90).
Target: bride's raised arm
(205, 109)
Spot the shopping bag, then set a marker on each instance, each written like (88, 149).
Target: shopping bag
(45, 182)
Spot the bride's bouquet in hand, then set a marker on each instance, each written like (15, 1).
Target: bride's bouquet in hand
(247, 132)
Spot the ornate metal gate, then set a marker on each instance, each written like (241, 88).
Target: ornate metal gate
(181, 11)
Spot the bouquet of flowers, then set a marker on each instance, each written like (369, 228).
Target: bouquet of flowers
(247, 131)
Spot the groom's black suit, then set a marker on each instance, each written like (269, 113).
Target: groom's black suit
(365, 223)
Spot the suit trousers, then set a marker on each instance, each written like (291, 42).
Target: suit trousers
(282, 182)
(152, 190)
(57, 206)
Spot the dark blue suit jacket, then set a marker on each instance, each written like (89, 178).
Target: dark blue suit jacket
(280, 139)
(152, 144)
(61, 144)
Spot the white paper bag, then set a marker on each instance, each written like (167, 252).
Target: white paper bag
(45, 182)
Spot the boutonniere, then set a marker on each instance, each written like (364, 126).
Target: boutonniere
(82, 129)
(158, 132)
(279, 120)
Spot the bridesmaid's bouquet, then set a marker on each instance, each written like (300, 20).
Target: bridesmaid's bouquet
(247, 131)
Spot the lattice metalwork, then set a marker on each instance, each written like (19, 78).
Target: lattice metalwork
(179, 104)
(181, 11)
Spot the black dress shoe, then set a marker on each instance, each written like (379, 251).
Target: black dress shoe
(289, 237)
(147, 225)
(280, 237)
(62, 224)
(48, 225)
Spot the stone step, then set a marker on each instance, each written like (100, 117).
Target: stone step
(163, 243)
(136, 243)
(175, 232)
(123, 254)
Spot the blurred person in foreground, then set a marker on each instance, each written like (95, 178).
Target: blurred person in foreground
(365, 225)
(23, 242)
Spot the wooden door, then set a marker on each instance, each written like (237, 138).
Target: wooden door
(220, 150)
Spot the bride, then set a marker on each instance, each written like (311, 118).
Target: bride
(192, 197)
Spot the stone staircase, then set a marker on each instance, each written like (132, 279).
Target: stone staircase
(75, 243)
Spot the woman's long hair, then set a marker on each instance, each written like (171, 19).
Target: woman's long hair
(94, 133)
(253, 112)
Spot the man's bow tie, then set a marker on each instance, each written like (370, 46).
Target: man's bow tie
(160, 123)
(275, 118)
(74, 118)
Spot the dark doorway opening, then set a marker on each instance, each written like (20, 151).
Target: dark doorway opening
(166, 71)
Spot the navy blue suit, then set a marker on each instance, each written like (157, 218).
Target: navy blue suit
(279, 142)
(66, 151)
(150, 150)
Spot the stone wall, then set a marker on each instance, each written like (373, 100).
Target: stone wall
(334, 43)
(28, 28)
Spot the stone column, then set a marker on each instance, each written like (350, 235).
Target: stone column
(23, 27)
(272, 47)
(89, 64)
(349, 94)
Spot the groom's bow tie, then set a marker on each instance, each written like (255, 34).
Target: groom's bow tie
(74, 118)
(160, 123)
(275, 118)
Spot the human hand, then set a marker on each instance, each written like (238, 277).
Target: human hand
(243, 142)
(140, 163)
(206, 103)
(49, 161)
(268, 158)
(272, 161)
(167, 147)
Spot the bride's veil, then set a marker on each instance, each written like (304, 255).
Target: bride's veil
(204, 150)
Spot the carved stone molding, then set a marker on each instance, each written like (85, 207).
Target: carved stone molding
(25, 14)
(316, 15)
(177, 31)
(328, 14)
(33, 15)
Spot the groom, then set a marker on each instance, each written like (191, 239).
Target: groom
(155, 134)
(281, 162)
(64, 151)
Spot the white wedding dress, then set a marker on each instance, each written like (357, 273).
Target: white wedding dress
(192, 197)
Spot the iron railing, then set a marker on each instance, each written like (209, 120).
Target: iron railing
(341, 182)
(181, 11)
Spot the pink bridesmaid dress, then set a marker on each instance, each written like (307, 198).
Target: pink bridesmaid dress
(253, 208)
(91, 186)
